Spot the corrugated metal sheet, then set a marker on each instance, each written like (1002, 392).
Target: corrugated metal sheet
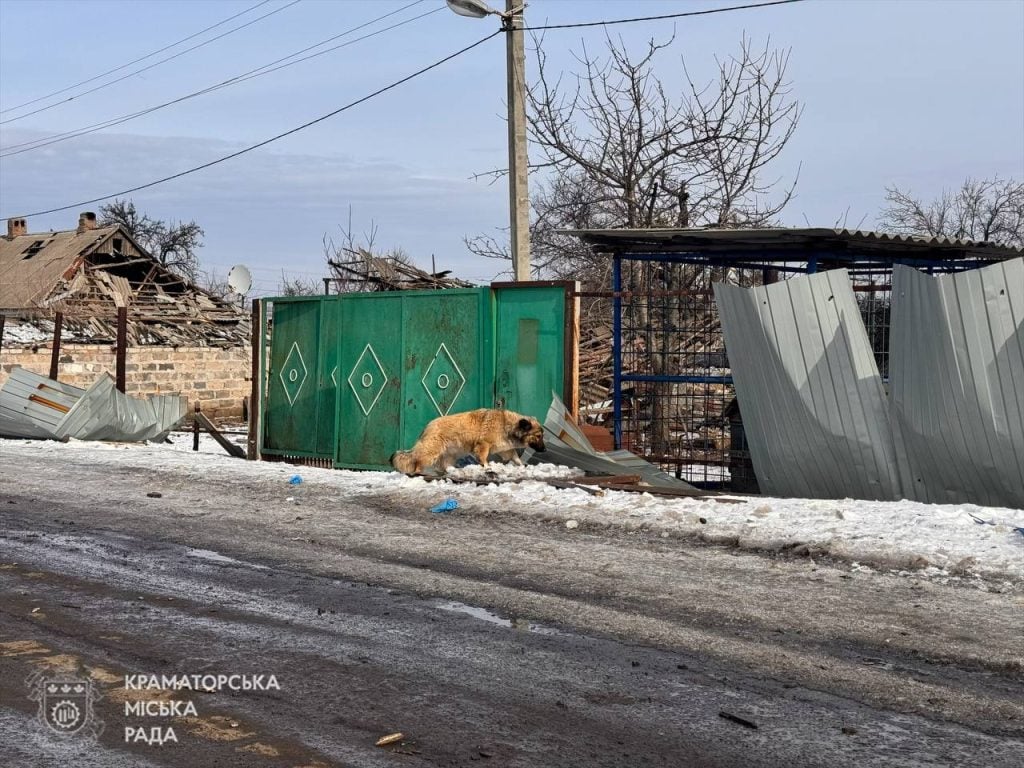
(34, 406)
(103, 413)
(813, 404)
(810, 241)
(568, 446)
(957, 383)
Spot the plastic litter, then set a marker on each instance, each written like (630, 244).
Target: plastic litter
(983, 521)
(295, 480)
(445, 506)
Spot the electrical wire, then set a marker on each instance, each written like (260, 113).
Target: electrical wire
(150, 66)
(135, 61)
(664, 16)
(272, 139)
(266, 69)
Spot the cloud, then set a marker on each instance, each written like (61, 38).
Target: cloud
(268, 208)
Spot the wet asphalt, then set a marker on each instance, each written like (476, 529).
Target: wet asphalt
(481, 637)
(355, 662)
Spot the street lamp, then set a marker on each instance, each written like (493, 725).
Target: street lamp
(518, 194)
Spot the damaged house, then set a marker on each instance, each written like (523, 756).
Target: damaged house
(70, 285)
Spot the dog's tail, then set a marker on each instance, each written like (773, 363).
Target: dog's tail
(403, 462)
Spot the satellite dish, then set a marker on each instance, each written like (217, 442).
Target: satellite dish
(239, 279)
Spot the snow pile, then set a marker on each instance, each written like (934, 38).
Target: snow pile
(505, 472)
(940, 541)
(25, 333)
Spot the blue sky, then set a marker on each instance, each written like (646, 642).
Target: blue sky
(919, 94)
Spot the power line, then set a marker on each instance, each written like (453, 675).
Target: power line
(150, 66)
(135, 61)
(265, 69)
(664, 16)
(272, 139)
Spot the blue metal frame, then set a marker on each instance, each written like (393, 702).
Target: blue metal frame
(678, 379)
(617, 348)
(780, 260)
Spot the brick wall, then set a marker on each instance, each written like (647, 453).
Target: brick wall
(217, 378)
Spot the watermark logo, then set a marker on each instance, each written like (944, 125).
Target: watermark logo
(66, 703)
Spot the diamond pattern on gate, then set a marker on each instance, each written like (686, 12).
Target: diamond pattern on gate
(367, 380)
(293, 373)
(443, 380)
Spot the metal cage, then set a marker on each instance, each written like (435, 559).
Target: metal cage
(671, 391)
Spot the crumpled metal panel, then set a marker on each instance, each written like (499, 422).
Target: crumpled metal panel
(957, 383)
(31, 405)
(104, 413)
(34, 406)
(813, 404)
(566, 445)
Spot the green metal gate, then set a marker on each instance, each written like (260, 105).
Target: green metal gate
(352, 378)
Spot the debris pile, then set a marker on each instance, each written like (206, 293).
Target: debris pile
(387, 273)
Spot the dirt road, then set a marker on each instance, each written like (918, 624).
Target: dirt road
(485, 638)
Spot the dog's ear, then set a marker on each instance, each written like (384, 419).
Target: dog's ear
(524, 425)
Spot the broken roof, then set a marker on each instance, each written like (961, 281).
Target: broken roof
(89, 272)
(31, 265)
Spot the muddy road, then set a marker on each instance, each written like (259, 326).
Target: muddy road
(484, 638)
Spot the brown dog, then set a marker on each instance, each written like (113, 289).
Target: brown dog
(482, 432)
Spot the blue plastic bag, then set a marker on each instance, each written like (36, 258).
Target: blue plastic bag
(295, 480)
(445, 506)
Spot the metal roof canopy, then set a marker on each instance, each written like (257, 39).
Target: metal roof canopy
(786, 245)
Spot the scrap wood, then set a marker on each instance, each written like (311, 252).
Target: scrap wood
(234, 450)
(609, 480)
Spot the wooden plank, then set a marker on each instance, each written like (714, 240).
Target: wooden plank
(609, 479)
(226, 444)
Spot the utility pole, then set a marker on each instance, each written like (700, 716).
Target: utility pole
(518, 192)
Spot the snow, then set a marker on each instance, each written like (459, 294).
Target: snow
(955, 543)
(24, 333)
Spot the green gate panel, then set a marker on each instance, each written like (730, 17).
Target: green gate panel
(356, 377)
(530, 342)
(446, 362)
(369, 402)
(328, 374)
(291, 406)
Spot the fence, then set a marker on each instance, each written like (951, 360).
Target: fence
(351, 378)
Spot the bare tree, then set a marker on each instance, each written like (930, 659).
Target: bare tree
(991, 210)
(173, 245)
(619, 149)
(214, 283)
(297, 286)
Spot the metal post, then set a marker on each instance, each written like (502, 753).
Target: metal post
(195, 426)
(252, 442)
(122, 346)
(327, 287)
(617, 348)
(518, 193)
(58, 326)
